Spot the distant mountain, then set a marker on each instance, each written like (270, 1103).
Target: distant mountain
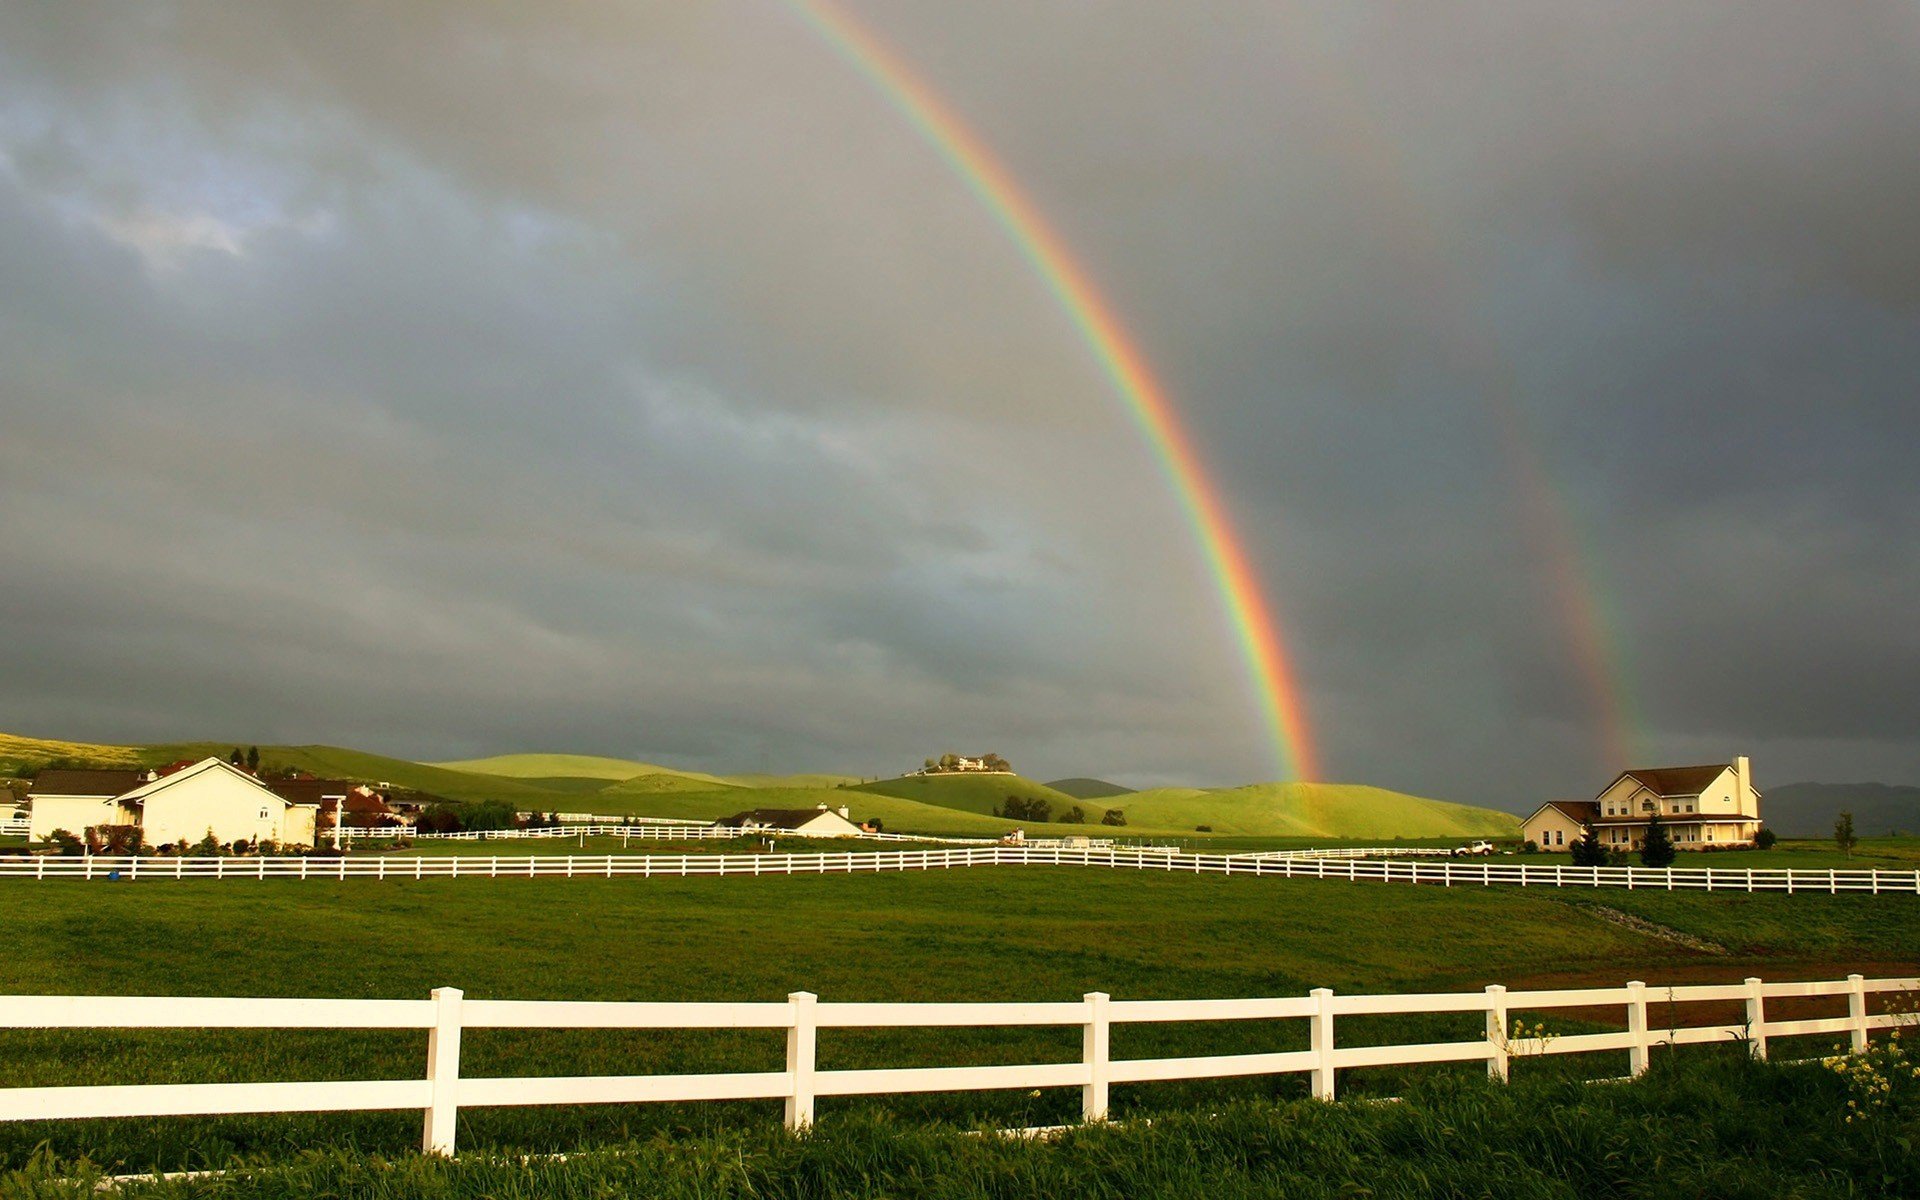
(1809, 809)
(1081, 788)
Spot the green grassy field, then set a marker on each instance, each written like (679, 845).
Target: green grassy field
(974, 793)
(950, 804)
(1719, 1128)
(1002, 934)
(578, 766)
(1313, 810)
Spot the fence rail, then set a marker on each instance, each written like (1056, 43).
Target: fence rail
(1445, 873)
(673, 831)
(442, 1090)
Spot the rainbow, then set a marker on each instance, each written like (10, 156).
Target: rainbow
(1252, 616)
(1572, 572)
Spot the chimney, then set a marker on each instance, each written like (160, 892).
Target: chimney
(1742, 782)
(843, 813)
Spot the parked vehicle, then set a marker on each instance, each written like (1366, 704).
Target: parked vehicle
(1481, 849)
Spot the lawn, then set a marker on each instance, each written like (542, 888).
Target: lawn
(1000, 934)
(1725, 1128)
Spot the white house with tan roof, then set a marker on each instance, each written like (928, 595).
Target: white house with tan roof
(207, 797)
(1704, 807)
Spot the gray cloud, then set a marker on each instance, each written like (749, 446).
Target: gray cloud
(632, 380)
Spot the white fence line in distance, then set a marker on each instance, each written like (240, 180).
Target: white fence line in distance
(1445, 873)
(441, 1090)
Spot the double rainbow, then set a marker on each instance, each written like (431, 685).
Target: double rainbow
(1252, 616)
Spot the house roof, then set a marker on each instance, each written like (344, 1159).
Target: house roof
(200, 768)
(1674, 781)
(1578, 811)
(63, 782)
(314, 791)
(780, 818)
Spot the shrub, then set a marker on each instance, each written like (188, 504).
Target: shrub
(1203, 829)
(1530, 847)
(1657, 849)
(1764, 838)
(1587, 850)
(70, 845)
(208, 846)
(438, 818)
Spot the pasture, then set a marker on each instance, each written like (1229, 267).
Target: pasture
(1032, 934)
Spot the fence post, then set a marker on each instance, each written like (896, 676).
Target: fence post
(1857, 1011)
(1756, 1019)
(1498, 1047)
(443, 1072)
(1320, 1027)
(1096, 1044)
(802, 1046)
(1637, 1028)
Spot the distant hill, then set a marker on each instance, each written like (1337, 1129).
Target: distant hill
(948, 803)
(1334, 810)
(790, 781)
(1081, 788)
(575, 766)
(970, 792)
(1809, 809)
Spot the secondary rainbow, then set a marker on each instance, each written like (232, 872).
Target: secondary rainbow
(1255, 623)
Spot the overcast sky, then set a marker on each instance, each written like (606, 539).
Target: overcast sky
(445, 379)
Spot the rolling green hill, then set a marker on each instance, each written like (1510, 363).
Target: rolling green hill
(896, 814)
(790, 781)
(974, 793)
(1341, 810)
(952, 803)
(574, 766)
(1089, 789)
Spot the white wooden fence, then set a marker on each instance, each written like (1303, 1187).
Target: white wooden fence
(670, 831)
(1446, 873)
(442, 1090)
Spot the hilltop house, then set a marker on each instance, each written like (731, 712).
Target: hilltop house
(800, 822)
(1704, 807)
(185, 805)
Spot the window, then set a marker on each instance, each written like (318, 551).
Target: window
(263, 814)
(1559, 837)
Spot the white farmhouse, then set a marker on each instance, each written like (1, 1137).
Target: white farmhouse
(800, 822)
(209, 797)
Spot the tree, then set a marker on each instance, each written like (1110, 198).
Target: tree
(236, 758)
(1074, 816)
(931, 764)
(1587, 850)
(1843, 834)
(253, 758)
(1114, 816)
(1657, 849)
(439, 818)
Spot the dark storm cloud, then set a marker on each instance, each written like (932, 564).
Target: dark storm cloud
(630, 379)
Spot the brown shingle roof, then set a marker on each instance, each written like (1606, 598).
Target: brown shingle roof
(1578, 811)
(307, 791)
(1676, 781)
(62, 782)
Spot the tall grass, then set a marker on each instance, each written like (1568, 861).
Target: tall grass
(1719, 1128)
